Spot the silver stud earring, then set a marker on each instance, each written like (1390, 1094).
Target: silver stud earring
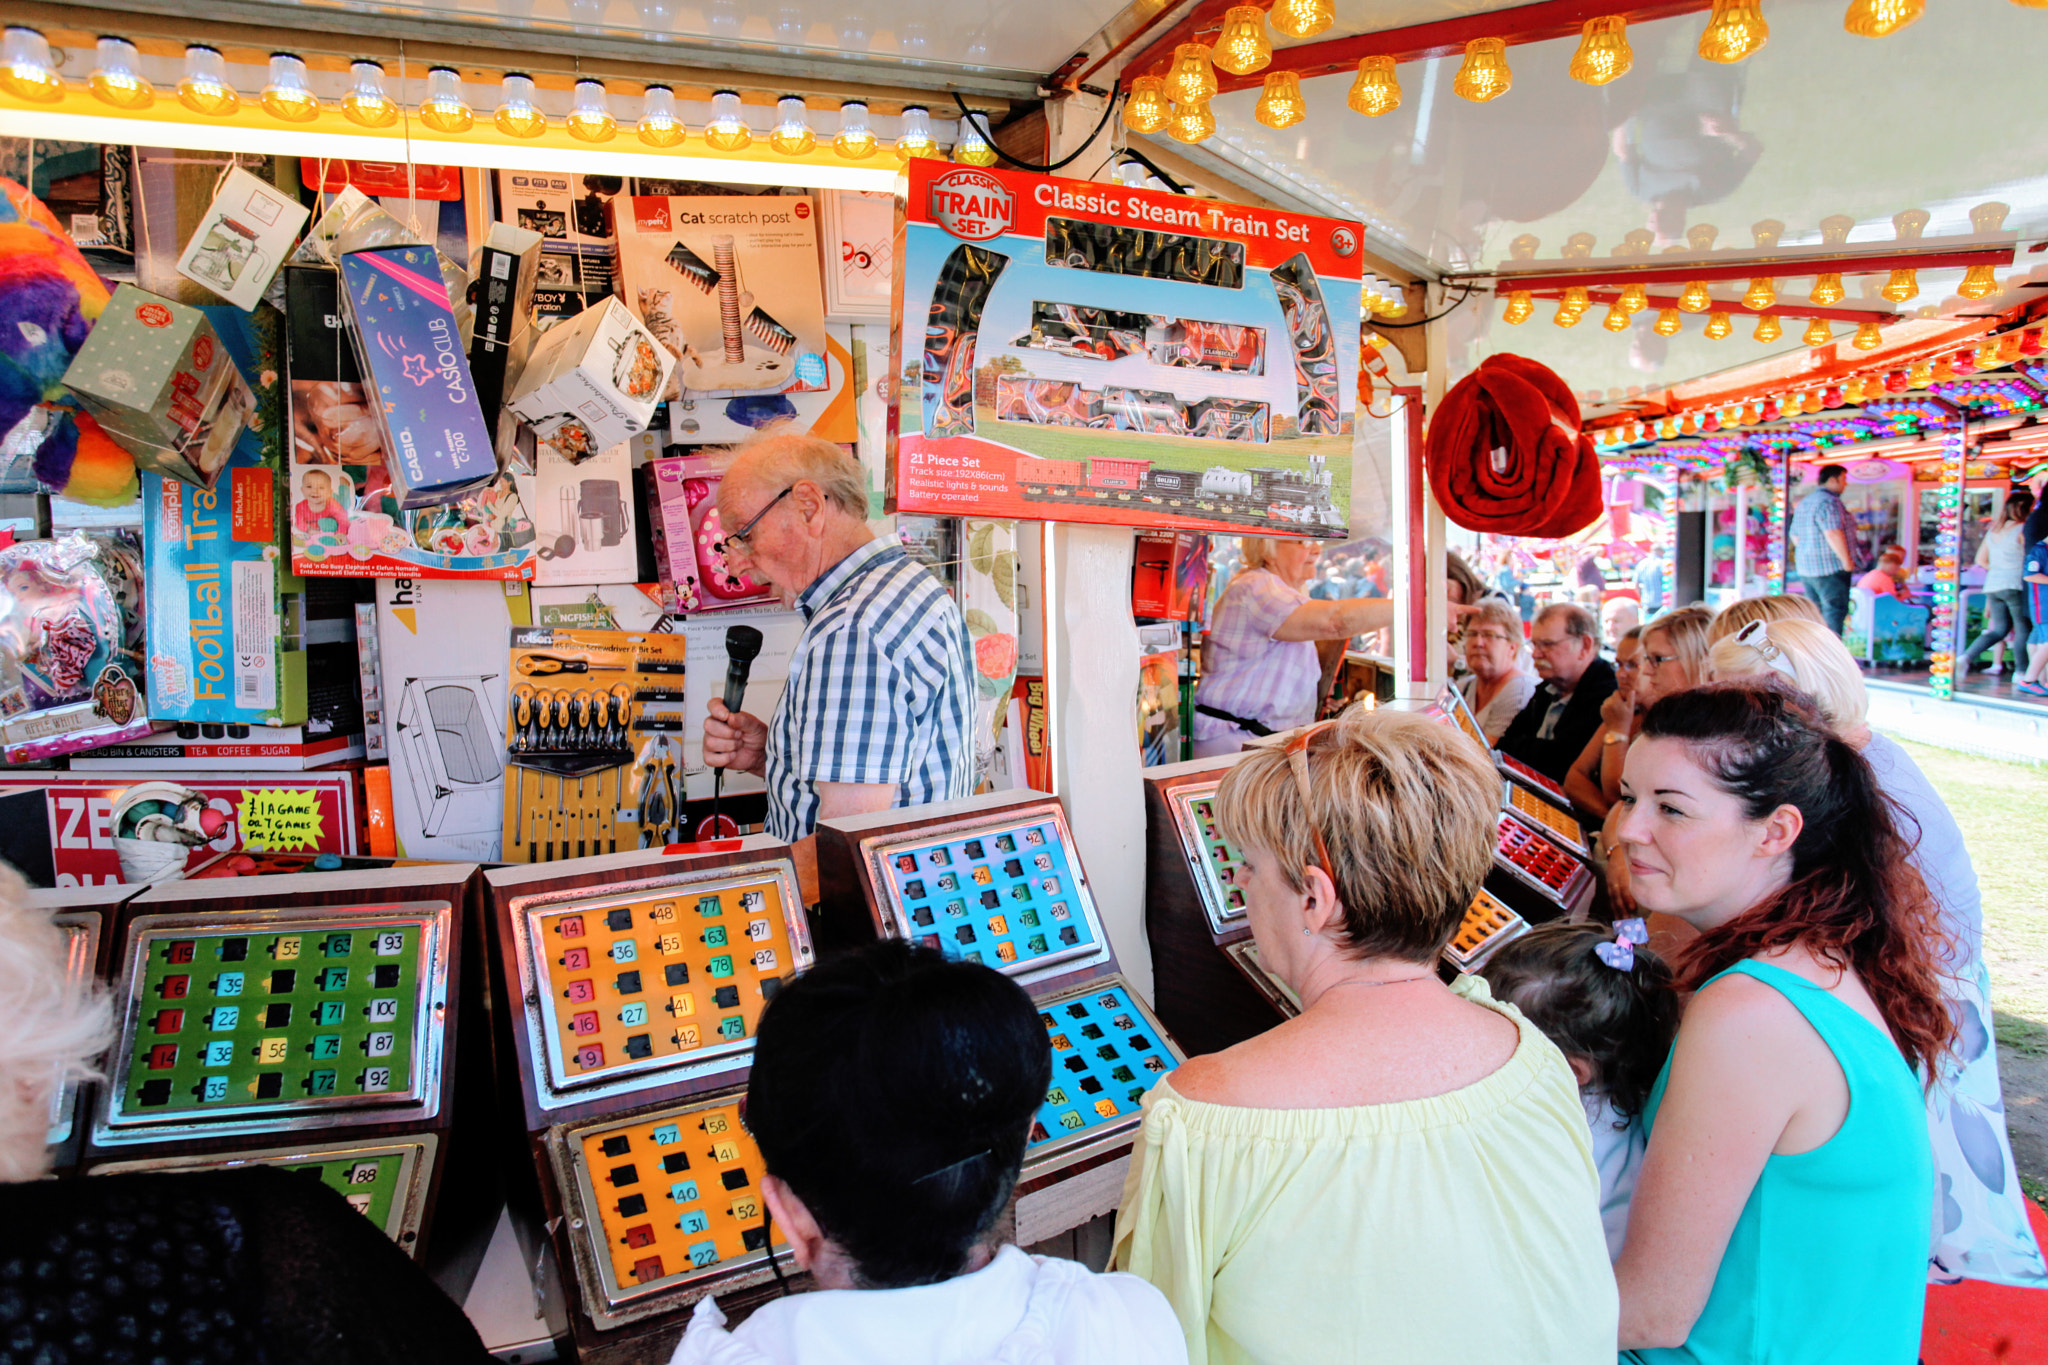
(1307, 932)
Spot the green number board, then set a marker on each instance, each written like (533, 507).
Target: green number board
(294, 1017)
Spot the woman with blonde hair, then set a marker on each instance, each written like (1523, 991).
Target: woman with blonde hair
(1260, 670)
(1501, 682)
(1980, 1231)
(1778, 607)
(1397, 1127)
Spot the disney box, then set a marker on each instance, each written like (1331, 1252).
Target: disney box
(409, 347)
(156, 377)
(592, 383)
(683, 522)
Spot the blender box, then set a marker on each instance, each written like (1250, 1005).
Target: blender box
(592, 383)
(154, 374)
(408, 345)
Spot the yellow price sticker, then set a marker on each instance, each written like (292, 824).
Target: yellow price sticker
(279, 819)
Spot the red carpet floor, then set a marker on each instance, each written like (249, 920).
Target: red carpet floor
(1976, 1324)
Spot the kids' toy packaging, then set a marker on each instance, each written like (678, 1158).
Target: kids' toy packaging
(683, 521)
(154, 375)
(730, 285)
(346, 521)
(1079, 352)
(592, 383)
(409, 346)
(70, 665)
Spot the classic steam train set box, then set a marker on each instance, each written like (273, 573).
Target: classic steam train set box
(1081, 352)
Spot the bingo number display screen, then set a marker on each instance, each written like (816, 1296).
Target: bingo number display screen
(1553, 819)
(632, 984)
(1004, 895)
(1106, 1053)
(282, 1017)
(1211, 859)
(669, 1197)
(1487, 925)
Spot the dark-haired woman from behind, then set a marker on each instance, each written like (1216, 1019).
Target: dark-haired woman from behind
(1608, 1003)
(891, 1096)
(1784, 1206)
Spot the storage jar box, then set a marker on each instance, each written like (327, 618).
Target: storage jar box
(409, 346)
(593, 383)
(155, 375)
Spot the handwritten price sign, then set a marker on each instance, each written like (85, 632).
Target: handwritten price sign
(280, 820)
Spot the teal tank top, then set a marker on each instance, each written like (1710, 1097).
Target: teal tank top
(1828, 1262)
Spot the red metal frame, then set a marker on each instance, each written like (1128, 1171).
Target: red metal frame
(1787, 309)
(1791, 264)
(1418, 541)
(1535, 23)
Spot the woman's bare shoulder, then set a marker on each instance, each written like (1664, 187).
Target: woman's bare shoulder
(1249, 1075)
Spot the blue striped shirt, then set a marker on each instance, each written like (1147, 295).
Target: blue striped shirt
(881, 690)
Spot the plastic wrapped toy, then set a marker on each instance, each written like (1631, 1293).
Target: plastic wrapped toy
(70, 677)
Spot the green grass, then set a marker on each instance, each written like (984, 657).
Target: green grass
(2002, 809)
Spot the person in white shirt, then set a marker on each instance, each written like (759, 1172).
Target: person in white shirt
(892, 1095)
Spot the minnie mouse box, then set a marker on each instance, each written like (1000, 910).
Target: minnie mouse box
(437, 445)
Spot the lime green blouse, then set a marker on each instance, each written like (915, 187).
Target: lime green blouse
(1465, 1226)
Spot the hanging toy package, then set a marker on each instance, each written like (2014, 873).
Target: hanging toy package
(70, 676)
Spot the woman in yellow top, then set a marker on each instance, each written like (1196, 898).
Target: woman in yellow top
(1402, 1173)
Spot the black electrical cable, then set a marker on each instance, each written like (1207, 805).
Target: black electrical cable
(989, 137)
(1147, 162)
(1433, 317)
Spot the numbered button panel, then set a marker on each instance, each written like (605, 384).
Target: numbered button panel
(669, 1199)
(1006, 894)
(383, 1181)
(635, 984)
(278, 1015)
(1107, 1052)
(1212, 862)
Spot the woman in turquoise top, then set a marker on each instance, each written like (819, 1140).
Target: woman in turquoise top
(1786, 1199)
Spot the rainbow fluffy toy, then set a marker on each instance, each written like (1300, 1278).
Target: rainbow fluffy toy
(49, 300)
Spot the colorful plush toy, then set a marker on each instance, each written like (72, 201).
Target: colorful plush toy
(49, 299)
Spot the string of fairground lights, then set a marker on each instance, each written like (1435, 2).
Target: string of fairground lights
(1944, 636)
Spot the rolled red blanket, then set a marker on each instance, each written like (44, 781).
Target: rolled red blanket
(1506, 455)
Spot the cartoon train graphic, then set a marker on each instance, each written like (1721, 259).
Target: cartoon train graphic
(1260, 497)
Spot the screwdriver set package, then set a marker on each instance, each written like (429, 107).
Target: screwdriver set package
(594, 730)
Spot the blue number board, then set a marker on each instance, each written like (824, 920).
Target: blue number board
(1105, 1056)
(1004, 896)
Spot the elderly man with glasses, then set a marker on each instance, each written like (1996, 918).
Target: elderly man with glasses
(1554, 727)
(878, 708)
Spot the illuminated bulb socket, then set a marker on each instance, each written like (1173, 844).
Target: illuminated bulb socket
(914, 134)
(1769, 412)
(1616, 319)
(1768, 328)
(1689, 424)
(1148, 109)
(973, 149)
(2030, 341)
(1243, 47)
(590, 116)
(1192, 79)
(1635, 298)
(1901, 286)
(1761, 294)
(1377, 90)
(1817, 333)
(287, 96)
(1751, 415)
(1132, 175)
(517, 115)
(444, 110)
(1719, 325)
(855, 141)
(1280, 103)
(1302, 18)
(1895, 382)
(1710, 422)
(792, 135)
(1881, 18)
(115, 80)
(1667, 323)
(1191, 122)
(26, 69)
(1867, 337)
(366, 103)
(728, 130)
(1695, 297)
(659, 125)
(1827, 291)
(1484, 74)
(1920, 375)
(1963, 362)
(204, 87)
(1604, 53)
(1736, 30)
(1520, 308)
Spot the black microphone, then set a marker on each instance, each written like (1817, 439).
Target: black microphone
(742, 643)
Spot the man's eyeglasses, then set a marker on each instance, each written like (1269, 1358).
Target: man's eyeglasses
(742, 536)
(1538, 642)
(1297, 761)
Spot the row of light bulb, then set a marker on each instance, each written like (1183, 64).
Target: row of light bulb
(27, 72)
(1178, 102)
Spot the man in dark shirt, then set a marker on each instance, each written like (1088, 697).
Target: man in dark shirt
(1553, 728)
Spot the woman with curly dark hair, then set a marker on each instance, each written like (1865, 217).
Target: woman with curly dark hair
(1774, 1218)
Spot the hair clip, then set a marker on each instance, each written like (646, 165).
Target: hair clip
(1757, 635)
(1620, 954)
